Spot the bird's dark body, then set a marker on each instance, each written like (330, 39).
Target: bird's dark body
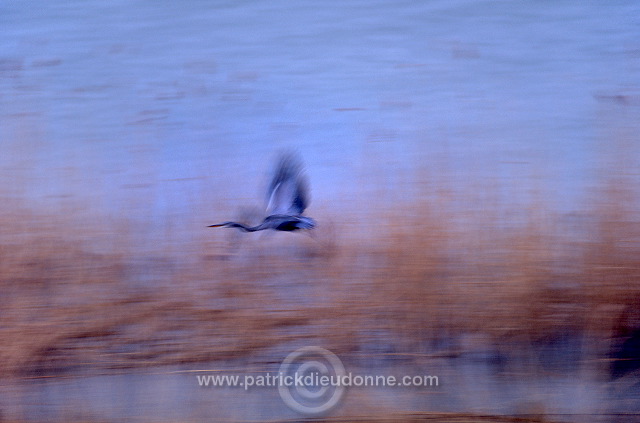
(284, 223)
(289, 223)
(287, 198)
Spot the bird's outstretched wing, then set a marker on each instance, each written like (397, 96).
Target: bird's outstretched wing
(288, 191)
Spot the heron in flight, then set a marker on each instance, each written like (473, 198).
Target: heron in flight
(287, 198)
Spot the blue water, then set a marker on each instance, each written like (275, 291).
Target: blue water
(106, 103)
(171, 113)
(465, 385)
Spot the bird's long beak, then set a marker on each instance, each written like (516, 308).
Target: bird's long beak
(216, 226)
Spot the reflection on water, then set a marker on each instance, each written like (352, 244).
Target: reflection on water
(467, 384)
(472, 168)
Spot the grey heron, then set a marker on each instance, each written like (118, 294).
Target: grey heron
(287, 198)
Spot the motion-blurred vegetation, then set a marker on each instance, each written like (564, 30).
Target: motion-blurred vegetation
(81, 297)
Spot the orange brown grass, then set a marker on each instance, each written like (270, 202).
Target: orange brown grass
(412, 285)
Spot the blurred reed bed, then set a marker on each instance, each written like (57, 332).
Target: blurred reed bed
(80, 297)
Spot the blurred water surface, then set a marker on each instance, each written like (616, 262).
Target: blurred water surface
(142, 122)
(106, 102)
